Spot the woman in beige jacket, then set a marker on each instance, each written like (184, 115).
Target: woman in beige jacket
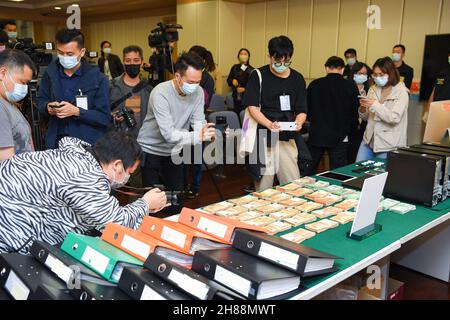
(386, 110)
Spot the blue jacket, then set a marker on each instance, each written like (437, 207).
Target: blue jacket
(91, 124)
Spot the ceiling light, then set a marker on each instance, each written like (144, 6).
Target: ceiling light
(16, 0)
(75, 5)
(58, 8)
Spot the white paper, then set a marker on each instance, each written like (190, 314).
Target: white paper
(235, 282)
(369, 202)
(138, 247)
(150, 294)
(284, 257)
(95, 259)
(16, 287)
(287, 126)
(173, 236)
(82, 102)
(285, 103)
(213, 227)
(59, 268)
(190, 285)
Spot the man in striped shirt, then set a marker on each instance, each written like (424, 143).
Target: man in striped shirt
(45, 195)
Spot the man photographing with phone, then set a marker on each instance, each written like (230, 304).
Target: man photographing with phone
(173, 106)
(73, 94)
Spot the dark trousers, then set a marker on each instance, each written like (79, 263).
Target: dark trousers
(338, 156)
(159, 170)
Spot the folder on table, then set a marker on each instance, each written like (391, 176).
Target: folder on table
(142, 284)
(102, 257)
(83, 283)
(218, 227)
(184, 238)
(190, 281)
(22, 275)
(295, 257)
(245, 274)
(140, 245)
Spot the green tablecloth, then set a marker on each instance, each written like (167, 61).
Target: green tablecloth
(395, 227)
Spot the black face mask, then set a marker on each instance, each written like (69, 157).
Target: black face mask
(133, 70)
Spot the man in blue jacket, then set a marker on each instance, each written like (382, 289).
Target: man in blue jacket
(73, 94)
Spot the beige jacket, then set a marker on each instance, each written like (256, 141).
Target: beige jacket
(387, 123)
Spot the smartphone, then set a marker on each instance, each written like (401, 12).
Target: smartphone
(288, 126)
(221, 124)
(335, 176)
(55, 106)
(362, 97)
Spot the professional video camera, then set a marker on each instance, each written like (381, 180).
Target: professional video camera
(161, 60)
(40, 54)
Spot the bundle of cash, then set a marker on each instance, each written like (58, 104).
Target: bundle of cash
(243, 200)
(288, 187)
(344, 217)
(403, 208)
(283, 214)
(327, 212)
(277, 227)
(300, 219)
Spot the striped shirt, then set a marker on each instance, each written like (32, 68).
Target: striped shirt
(45, 195)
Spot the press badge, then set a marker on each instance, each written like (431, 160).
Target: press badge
(285, 103)
(82, 101)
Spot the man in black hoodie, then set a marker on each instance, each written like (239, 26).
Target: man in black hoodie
(332, 111)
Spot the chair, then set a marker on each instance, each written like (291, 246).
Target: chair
(229, 101)
(217, 103)
(241, 116)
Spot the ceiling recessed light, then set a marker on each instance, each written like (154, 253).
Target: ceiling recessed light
(58, 8)
(75, 5)
(16, 0)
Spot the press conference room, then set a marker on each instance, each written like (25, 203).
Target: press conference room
(247, 151)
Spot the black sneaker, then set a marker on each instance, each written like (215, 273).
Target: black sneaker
(191, 194)
(250, 188)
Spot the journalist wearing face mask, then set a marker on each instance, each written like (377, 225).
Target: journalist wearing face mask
(16, 70)
(131, 82)
(386, 111)
(174, 106)
(238, 78)
(109, 63)
(281, 98)
(69, 191)
(73, 94)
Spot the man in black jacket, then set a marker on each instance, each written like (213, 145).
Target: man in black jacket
(332, 112)
(406, 72)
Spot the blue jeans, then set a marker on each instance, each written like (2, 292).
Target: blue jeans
(366, 153)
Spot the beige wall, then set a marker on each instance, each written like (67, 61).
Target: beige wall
(122, 33)
(318, 28)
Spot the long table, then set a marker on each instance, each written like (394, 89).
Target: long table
(397, 231)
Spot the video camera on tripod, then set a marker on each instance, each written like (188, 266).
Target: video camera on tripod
(40, 54)
(161, 60)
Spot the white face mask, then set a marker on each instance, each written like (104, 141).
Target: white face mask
(68, 62)
(106, 50)
(188, 88)
(117, 184)
(396, 57)
(351, 61)
(19, 92)
(360, 78)
(381, 81)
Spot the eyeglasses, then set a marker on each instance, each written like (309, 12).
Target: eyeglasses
(279, 64)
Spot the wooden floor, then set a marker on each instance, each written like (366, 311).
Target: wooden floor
(417, 286)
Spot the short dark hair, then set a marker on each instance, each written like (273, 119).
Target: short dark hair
(65, 36)
(3, 24)
(3, 36)
(387, 66)
(133, 48)
(281, 47)
(117, 145)
(201, 51)
(335, 63)
(190, 59)
(401, 47)
(16, 60)
(350, 51)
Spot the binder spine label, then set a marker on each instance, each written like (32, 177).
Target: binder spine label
(281, 256)
(59, 268)
(150, 294)
(95, 259)
(16, 287)
(173, 236)
(194, 287)
(235, 282)
(212, 227)
(136, 246)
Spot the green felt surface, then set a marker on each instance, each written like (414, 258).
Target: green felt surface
(395, 226)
